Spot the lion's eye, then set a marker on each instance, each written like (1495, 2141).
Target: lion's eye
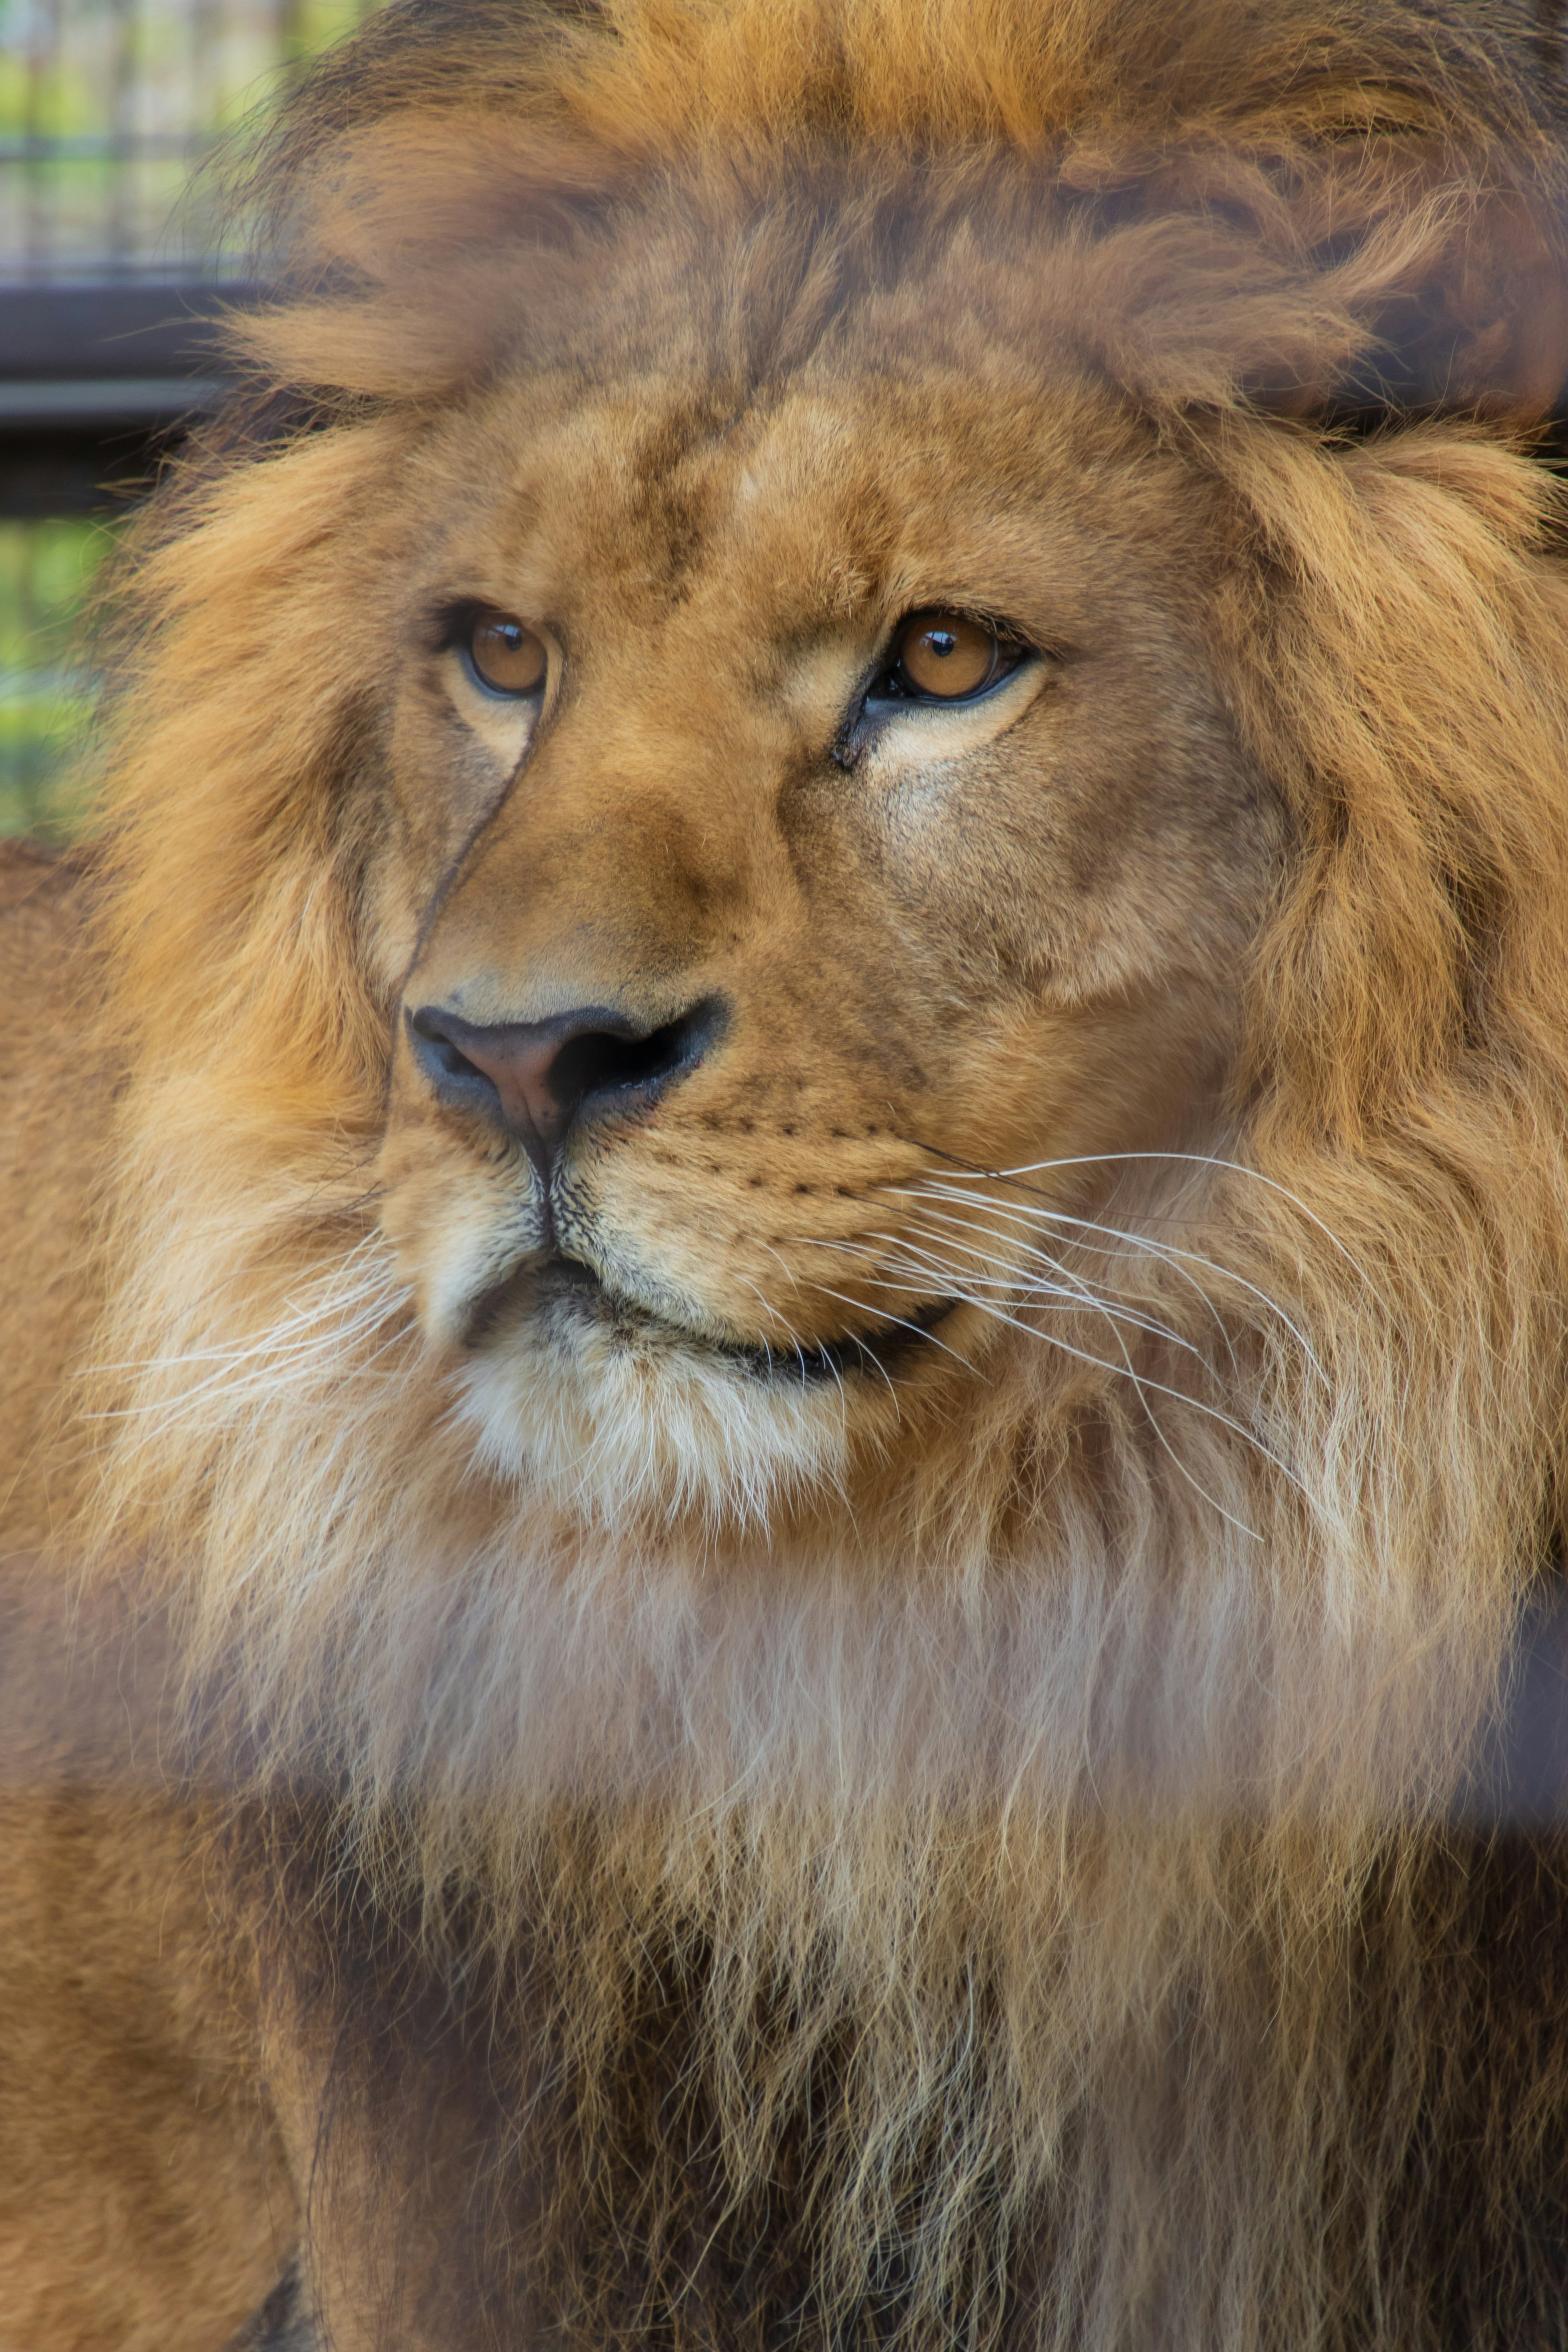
(944, 657)
(507, 657)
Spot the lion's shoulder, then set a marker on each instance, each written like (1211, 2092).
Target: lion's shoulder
(27, 866)
(42, 922)
(53, 1103)
(43, 956)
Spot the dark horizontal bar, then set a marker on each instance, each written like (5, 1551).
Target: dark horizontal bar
(97, 378)
(113, 330)
(49, 404)
(48, 473)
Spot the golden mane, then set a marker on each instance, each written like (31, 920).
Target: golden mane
(1102, 1724)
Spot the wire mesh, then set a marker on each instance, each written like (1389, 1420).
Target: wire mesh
(108, 109)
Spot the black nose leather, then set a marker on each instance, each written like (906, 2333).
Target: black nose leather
(539, 1078)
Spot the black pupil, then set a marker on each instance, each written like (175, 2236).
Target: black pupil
(942, 642)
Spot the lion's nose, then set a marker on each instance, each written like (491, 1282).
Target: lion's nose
(538, 1078)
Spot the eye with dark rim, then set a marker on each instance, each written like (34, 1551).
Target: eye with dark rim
(504, 655)
(937, 657)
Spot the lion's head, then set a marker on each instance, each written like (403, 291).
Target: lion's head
(838, 894)
(810, 860)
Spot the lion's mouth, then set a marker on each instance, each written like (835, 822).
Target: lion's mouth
(564, 1290)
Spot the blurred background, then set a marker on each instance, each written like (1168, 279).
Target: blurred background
(110, 256)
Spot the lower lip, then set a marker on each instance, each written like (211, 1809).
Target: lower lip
(567, 1280)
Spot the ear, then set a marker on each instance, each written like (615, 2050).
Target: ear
(1462, 287)
(1387, 249)
(1423, 179)
(412, 239)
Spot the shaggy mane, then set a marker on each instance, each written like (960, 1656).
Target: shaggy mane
(1097, 1728)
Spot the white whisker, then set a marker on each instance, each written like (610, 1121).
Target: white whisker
(903, 1321)
(1190, 1158)
(356, 1301)
(1169, 1254)
(1013, 1282)
(1141, 1380)
(1180, 1260)
(1070, 1290)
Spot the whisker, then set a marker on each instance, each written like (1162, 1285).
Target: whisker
(1137, 1383)
(928, 1266)
(1141, 1382)
(769, 1307)
(307, 1333)
(1072, 1289)
(1112, 1159)
(919, 1330)
(1170, 1253)
(794, 1280)
(277, 1341)
(1166, 1253)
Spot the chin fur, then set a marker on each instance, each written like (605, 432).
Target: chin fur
(626, 1420)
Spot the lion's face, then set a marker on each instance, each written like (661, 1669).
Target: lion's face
(723, 918)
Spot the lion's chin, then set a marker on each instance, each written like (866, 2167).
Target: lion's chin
(614, 1411)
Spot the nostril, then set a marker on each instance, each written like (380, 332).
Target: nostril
(444, 1061)
(598, 1061)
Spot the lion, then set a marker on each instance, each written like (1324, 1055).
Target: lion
(787, 1367)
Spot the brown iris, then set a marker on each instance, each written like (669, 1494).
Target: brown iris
(944, 657)
(507, 657)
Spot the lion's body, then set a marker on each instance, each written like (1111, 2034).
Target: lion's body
(780, 1434)
(137, 2206)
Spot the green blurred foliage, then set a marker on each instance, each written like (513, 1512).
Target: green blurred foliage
(119, 104)
(165, 65)
(45, 687)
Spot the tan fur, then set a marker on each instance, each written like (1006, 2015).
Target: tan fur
(969, 1847)
(141, 2204)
